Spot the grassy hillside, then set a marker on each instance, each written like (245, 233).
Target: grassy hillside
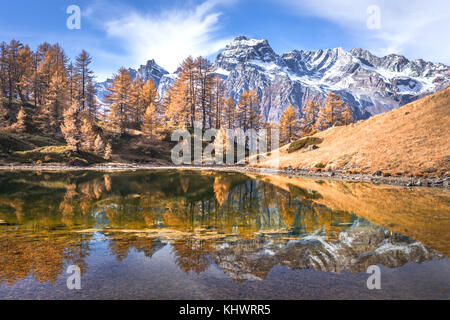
(35, 148)
(56, 154)
(413, 140)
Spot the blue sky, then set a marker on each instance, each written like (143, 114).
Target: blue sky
(128, 33)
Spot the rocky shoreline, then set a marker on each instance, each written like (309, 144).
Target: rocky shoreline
(374, 178)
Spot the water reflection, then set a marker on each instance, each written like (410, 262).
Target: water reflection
(245, 225)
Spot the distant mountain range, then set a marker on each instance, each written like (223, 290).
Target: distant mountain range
(369, 84)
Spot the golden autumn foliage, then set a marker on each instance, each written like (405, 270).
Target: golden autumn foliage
(229, 114)
(152, 126)
(334, 113)
(309, 119)
(23, 121)
(248, 111)
(196, 96)
(119, 98)
(289, 127)
(176, 105)
(71, 127)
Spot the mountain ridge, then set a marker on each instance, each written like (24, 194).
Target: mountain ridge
(368, 83)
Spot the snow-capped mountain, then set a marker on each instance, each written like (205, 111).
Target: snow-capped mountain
(369, 84)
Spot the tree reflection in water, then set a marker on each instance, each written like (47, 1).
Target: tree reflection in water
(245, 225)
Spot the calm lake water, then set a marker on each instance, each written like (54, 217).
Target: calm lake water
(214, 235)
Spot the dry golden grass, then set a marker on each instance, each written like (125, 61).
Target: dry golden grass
(411, 140)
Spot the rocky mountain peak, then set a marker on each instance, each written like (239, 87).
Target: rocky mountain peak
(365, 56)
(392, 62)
(151, 70)
(240, 38)
(243, 49)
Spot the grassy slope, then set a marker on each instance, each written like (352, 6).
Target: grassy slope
(411, 140)
(56, 154)
(35, 148)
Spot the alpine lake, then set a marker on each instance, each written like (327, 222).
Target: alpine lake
(180, 234)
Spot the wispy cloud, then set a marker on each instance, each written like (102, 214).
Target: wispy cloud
(167, 36)
(415, 28)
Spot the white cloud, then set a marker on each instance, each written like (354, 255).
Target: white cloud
(414, 28)
(168, 36)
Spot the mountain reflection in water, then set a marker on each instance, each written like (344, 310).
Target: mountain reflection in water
(245, 225)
